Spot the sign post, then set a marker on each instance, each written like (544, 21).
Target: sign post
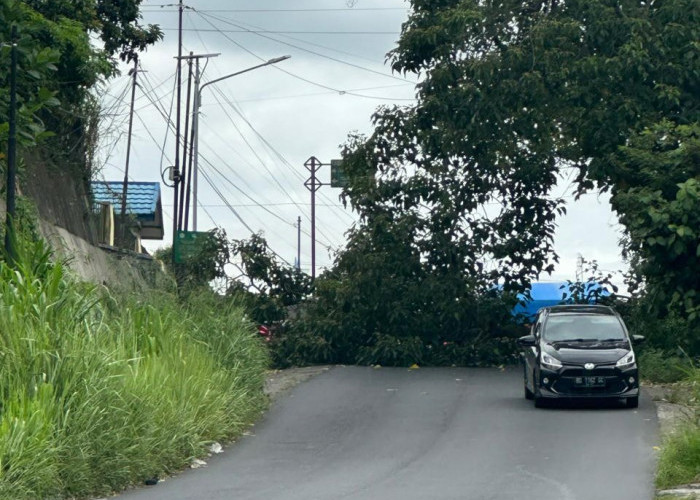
(338, 177)
(188, 244)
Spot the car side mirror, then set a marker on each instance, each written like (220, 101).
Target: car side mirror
(527, 341)
(638, 339)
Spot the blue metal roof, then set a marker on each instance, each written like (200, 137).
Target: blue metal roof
(141, 197)
(543, 294)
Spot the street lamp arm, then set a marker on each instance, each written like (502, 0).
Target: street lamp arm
(195, 124)
(267, 63)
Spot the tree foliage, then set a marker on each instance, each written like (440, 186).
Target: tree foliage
(60, 67)
(513, 94)
(207, 264)
(267, 286)
(115, 22)
(36, 64)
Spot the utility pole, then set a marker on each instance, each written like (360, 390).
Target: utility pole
(299, 243)
(183, 174)
(194, 141)
(133, 72)
(176, 170)
(12, 149)
(313, 165)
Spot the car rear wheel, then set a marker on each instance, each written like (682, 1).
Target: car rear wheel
(632, 402)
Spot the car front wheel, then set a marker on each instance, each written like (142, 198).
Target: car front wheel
(632, 402)
(528, 393)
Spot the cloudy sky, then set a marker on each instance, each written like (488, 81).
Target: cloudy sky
(257, 129)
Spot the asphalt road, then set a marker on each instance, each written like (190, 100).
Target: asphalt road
(451, 433)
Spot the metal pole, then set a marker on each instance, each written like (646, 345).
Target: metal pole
(128, 143)
(299, 243)
(12, 150)
(195, 121)
(313, 221)
(190, 180)
(184, 179)
(195, 146)
(190, 161)
(176, 173)
(312, 184)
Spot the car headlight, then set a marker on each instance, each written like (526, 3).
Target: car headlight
(626, 360)
(549, 362)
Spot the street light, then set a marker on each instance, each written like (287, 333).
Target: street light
(195, 126)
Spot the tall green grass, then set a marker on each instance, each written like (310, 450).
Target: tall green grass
(679, 461)
(99, 393)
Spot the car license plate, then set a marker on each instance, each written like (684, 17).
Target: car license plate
(591, 381)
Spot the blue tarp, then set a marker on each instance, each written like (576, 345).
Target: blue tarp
(543, 294)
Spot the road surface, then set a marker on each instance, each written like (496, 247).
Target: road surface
(432, 433)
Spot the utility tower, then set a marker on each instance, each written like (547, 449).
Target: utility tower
(313, 165)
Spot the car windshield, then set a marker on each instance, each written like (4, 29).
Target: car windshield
(583, 327)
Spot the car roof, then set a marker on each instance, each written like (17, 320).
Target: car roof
(579, 309)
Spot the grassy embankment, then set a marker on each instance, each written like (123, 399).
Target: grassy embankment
(679, 458)
(98, 393)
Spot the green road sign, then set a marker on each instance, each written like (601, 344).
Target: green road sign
(188, 244)
(338, 177)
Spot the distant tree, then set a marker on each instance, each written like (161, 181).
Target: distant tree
(267, 286)
(207, 264)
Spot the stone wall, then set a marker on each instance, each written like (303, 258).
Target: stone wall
(118, 270)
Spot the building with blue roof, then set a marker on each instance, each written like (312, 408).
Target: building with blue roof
(144, 208)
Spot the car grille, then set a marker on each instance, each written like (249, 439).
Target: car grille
(580, 371)
(566, 382)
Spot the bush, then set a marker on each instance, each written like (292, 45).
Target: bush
(666, 333)
(343, 326)
(99, 393)
(658, 366)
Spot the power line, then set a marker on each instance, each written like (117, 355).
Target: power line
(313, 94)
(264, 165)
(293, 170)
(261, 34)
(287, 32)
(307, 42)
(235, 212)
(244, 193)
(301, 78)
(242, 205)
(266, 143)
(161, 8)
(284, 161)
